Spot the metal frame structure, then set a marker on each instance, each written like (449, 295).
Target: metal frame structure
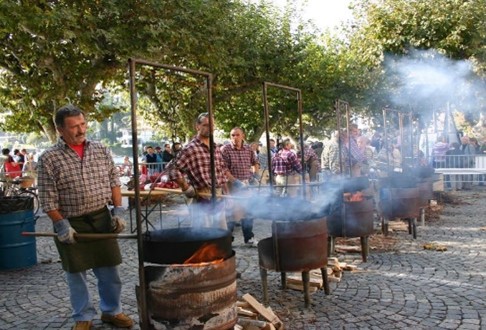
(133, 100)
(401, 116)
(267, 128)
(337, 106)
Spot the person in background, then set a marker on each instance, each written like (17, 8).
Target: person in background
(438, 152)
(29, 170)
(318, 147)
(454, 159)
(160, 165)
(364, 144)
(255, 146)
(127, 167)
(311, 162)
(18, 157)
(176, 147)
(167, 155)
(273, 147)
(11, 168)
(151, 159)
(287, 168)
(357, 157)
(77, 181)
(469, 151)
(241, 162)
(263, 176)
(191, 169)
(330, 160)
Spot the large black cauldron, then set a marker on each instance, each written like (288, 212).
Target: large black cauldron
(177, 245)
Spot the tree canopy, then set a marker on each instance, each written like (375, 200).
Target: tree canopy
(54, 52)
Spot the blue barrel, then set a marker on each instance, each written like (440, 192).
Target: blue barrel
(16, 216)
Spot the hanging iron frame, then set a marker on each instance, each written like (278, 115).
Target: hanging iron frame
(266, 85)
(132, 63)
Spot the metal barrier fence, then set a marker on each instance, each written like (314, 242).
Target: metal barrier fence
(461, 171)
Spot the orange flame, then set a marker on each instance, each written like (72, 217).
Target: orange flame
(356, 197)
(209, 252)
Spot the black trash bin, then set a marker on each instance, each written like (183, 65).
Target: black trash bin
(16, 216)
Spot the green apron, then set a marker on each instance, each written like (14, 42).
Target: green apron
(90, 253)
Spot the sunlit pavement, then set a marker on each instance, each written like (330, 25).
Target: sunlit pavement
(409, 287)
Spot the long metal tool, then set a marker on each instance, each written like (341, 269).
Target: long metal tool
(81, 235)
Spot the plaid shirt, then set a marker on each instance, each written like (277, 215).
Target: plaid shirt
(309, 156)
(357, 155)
(285, 163)
(239, 161)
(195, 162)
(72, 185)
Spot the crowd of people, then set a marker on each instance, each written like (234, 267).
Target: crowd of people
(16, 165)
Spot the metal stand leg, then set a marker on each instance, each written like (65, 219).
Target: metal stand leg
(384, 226)
(305, 281)
(325, 280)
(422, 216)
(364, 247)
(263, 275)
(283, 279)
(331, 242)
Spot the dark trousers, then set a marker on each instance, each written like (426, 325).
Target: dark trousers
(246, 228)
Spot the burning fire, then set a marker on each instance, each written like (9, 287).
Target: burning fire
(208, 253)
(356, 197)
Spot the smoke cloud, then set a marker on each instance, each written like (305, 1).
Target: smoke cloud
(427, 79)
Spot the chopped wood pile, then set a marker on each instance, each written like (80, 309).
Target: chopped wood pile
(335, 271)
(252, 315)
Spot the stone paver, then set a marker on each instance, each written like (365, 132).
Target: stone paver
(407, 288)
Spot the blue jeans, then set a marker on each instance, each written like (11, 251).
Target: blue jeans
(109, 289)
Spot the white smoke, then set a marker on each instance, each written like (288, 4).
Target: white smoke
(431, 80)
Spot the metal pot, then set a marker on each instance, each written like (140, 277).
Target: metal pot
(177, 245)
(354, 219)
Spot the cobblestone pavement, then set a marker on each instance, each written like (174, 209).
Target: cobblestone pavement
(407, 287)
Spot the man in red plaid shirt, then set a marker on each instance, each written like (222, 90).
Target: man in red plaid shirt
(242, 164)
(286, 167)
(191, 169)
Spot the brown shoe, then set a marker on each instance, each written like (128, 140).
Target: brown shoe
(120, 320)
(82, 325)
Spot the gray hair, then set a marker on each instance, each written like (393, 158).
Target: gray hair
(68, 110)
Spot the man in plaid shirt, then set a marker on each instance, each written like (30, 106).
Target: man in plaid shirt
(286, 167)
(191, 169)
(242, 163)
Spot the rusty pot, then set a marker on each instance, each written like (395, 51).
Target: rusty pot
(426, 191)
(400, 202)
(354, 219)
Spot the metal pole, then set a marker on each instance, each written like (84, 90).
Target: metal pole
(209, 105)
(338, 124)
(301, 129)
(385, 134)
(144, 317)
(267, 134)
(400, 130)
(346, 108)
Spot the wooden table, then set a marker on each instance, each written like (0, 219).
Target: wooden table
(150, 201)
